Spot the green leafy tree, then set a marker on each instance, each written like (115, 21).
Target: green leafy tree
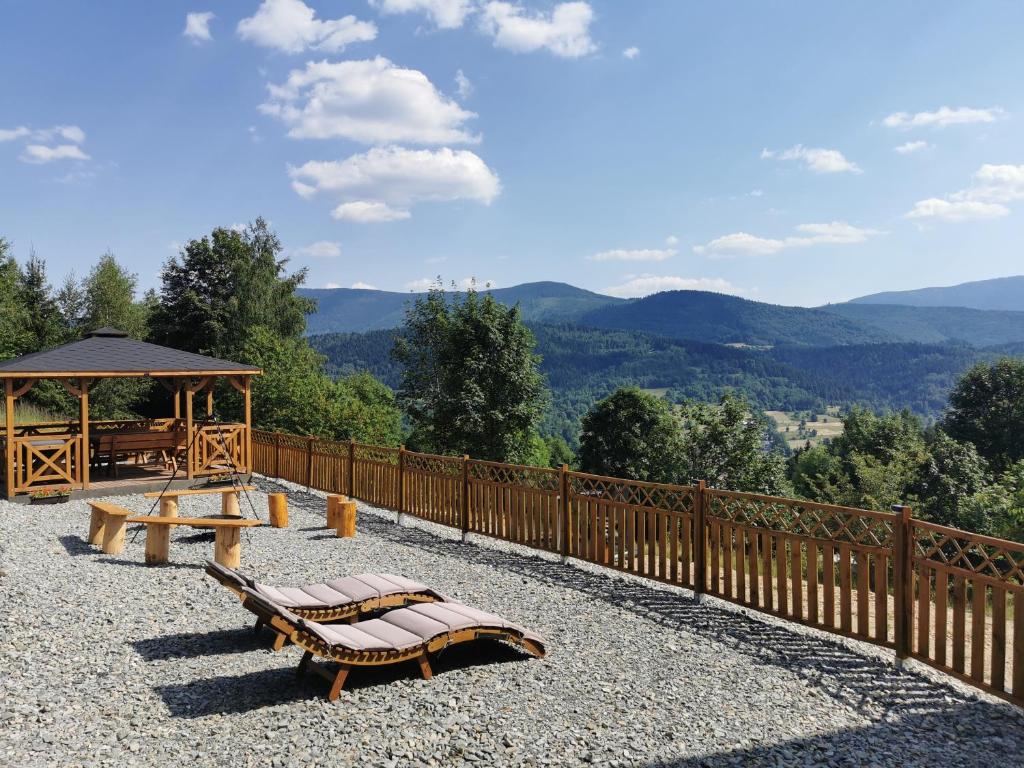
(470, 383)
(14, 337)
(221, 287)
(294, 395)
(950, 472)
(43, 320)
(998, 508)
(70, 300)
(633, 435)
(730, 446)
(986, 408)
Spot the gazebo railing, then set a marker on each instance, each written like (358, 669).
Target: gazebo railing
(47, 461)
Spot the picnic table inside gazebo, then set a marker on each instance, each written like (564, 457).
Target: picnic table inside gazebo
(72, 454)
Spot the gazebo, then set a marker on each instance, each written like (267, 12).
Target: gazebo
(71, 454)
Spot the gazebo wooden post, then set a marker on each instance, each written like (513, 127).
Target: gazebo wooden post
(189, 442)
(247, 395)
(83, 419)
(9, 432)
(209, 399)
(177, 398)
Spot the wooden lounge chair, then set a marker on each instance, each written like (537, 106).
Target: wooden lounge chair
(343, 599)
(399, 635)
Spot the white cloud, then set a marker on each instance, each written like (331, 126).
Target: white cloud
(672, 241)
(360, 285)
(631, 53)
(565, 31)
(364, 212)
(745, 244)
(332, 285)
(645, 285)
(291, 26)
(422, 284)
(371, 101)
(942, 117)
(12, 134)
(992, 186)
(817, 159)
(398, 178)
(911, 146)
(639, 254)
(964, 210)
(238, 227)
(321, 249)
(197, 26)
(445, 14)
(37, 153)
(462, 85)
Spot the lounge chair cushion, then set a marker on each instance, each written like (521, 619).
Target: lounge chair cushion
(338, 592)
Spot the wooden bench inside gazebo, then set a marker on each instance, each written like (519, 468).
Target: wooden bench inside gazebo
(86, 454)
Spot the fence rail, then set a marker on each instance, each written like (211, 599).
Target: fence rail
(949, 598)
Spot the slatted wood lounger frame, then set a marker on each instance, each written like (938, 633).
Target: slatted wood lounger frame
(348, 612)
(312, 646)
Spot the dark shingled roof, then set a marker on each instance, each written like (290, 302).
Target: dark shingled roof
(108, 350)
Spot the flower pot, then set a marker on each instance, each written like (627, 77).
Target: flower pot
(60, 499)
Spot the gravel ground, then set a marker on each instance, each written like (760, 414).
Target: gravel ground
(106, 662)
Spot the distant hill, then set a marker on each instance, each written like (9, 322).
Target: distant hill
(583, 365)
(356, 309)
(1005, 293)
(937, 325)
(722, 319)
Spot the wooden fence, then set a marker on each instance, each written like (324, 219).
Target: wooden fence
(949, 598)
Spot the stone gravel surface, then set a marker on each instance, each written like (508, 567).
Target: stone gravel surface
(104, 661)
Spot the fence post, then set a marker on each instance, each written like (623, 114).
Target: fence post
(563, 503)
(401, 482)
(902, 573)
(700, 538)
(465, 497)
(352, 468)
(277, 455)
(309, 463)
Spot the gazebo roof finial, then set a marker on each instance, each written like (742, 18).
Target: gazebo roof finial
(106, 332)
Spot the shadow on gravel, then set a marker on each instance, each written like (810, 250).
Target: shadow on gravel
(946, 735)
(142, 564)
(75, 546)
(226, 694)
(865, 684)
(188, 645)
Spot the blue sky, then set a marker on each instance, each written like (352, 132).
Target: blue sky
(795, 152)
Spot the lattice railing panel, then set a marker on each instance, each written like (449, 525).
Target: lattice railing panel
(377, 454)
(674, 498)
(446, 466)
(980, 555)
(838, 524)
(535, 478)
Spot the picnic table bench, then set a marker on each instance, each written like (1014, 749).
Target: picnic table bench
(227, 547)
(228, 501)
(110, 447)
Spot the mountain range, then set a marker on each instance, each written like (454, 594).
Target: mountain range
(908, 316)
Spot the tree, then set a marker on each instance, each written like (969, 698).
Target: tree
(470, 383)
(294, 395)
(223, 286)
(729, 446)
(71, 306)
(949, 473)
(633, 435)
(109, 299)
(14, 337)
(43, 321)
(998, 508)
(986, 408)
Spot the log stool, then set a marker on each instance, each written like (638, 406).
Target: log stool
(278, 510)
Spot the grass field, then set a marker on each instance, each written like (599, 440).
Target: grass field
(799, 428)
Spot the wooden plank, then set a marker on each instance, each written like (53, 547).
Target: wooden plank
(752, 569)
(1017, 674)
(675, 522)
(978, 632)
(863, 587)
(881, 598)
(924, 604)
(845, 589)
(998, 638)
(959, 621)
(796, 574)
(812, 582)
(828, 575)
(715, 532)
(781, 575)
(197, 522)
(652, 547)
(941, 616)
(727, 548)
(766, 570)
(664, 519)
(741, 565)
